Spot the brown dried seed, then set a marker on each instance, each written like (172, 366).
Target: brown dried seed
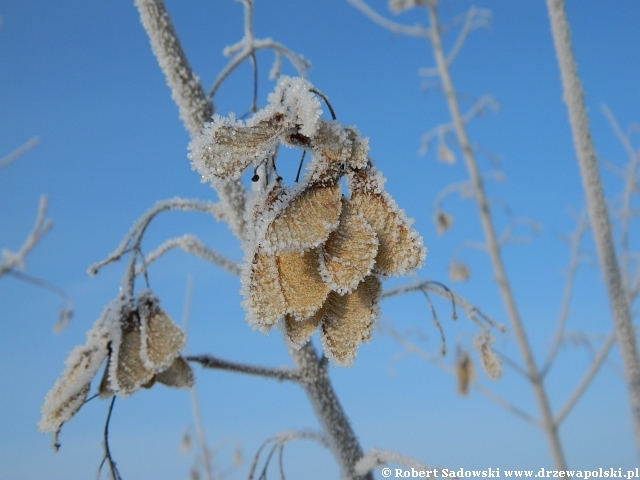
(399, 246)
(300, 331)
(350, 251)
(178, 375)
(302, 287)
(130, 373)
(349, 319)
(225, 151)
(465, 373)
(264, 301)
(307, 221)
(161, 339)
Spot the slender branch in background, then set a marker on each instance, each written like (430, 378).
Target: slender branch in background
(279, 441)
(41, 227)
(282, 373)
(397, 28)
(205, 452)
(134, 236)
(574, 262)
(597, 207)
(192, 245)
(586, 379)
(493, 247)
(414, 349)
(18, 152)
(630, 187)
(187, 93)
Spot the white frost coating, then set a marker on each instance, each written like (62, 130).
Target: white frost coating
(300, 104)
(69, 391)
(488, 359)
(375, 458)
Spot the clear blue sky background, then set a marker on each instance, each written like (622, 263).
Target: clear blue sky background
(81, 76)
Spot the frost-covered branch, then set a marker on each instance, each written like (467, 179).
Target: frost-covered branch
(194, 107)
(473, 313)
(394, 27)
(190, 244)
(597, 207)
(376, 458)
(134, 236)
(629, 174)
(479, 108)
(278, 442)
(414, 349)
(18, 152)
(586, 379)
(281, 373)
(247, 47)
(493, 247)
(12, 260)
(574, 262)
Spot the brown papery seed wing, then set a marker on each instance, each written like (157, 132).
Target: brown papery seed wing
(350, 251)
(178, 375)
(265, 303)
(399, 246)
(348, 321)
(302, 287)
(300, 331)
(307, 221)
(130, 372)
(162, 340)
(229, 150)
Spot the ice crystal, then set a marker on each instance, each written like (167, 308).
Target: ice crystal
(488, 359)
(141, 345)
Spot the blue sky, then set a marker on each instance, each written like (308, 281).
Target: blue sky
(81, 76)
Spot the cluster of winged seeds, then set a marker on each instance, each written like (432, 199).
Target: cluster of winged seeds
(141, 345)
(314, 257)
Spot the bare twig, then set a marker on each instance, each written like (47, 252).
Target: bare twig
(18, 152)
(115, 474)
(190, 244)
(586, 379)
(281, 373)
(597, 208)
(394, 27)
(574, 262)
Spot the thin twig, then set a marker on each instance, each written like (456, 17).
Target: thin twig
(282, 373)
(193, 245)
(394, 27)
(18, 152)
(115, 474)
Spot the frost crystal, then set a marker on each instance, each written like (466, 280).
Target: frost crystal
(141, 345)
(488, 359)
(312, 256)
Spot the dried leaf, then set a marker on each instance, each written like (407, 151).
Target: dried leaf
(306, 221)
(178, 375)
(350, 251)
(488, 359)
(443, 221)
(263, 298)
(302, 287)
(227, 147)
(348, 321)
(161, 339)
(400, 248)
(300, 331)
(465, 373)
(70, 390)
(445, 155)
(459, 272)
(127, 372)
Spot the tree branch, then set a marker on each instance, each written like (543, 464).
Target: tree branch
(281, 373)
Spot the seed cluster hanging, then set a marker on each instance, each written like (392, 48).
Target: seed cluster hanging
(314, 256)
(141, 345)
